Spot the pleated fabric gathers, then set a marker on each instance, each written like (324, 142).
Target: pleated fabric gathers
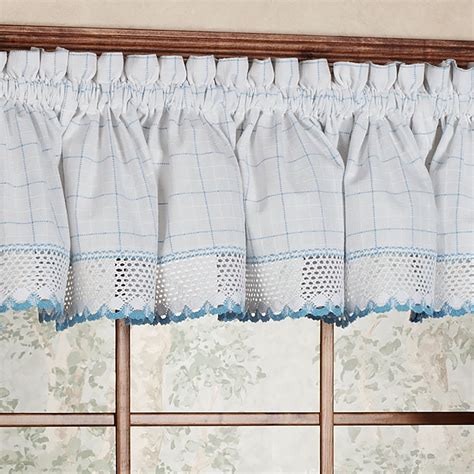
(157, 189)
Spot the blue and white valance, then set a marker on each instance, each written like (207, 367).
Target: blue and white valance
(157, 189)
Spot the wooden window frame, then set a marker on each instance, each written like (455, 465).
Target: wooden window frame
(252, 45)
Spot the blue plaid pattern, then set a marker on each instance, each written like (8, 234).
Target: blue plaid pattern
(32, 207)
(388, 192)
(278, 165)
(292, 187)
(453, 181)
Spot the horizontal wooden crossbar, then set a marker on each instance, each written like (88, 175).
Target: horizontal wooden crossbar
(236, 419)
(225, 419)
(252, 45)
(404, 418)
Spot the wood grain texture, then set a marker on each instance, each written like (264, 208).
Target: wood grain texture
(401, 418)
(326, 386)
(237, 419)
(225, 419)
(122, 396)
(225, 44)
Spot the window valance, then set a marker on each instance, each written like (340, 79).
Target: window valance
(157, 189)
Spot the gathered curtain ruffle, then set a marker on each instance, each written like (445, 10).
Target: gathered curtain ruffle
(157, 189)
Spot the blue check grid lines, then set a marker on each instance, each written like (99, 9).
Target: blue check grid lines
(269, 165)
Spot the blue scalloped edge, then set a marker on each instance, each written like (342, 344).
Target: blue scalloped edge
(418, 311)
(228, 311)
(446, 310)
(391, 305)
(52, 310)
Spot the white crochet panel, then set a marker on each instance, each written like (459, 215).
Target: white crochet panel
(455, 285)
(390, 280)
(101, 285)
(28, 275)
(215, 282)
(139, 288)
(144, 291)
(312, 282)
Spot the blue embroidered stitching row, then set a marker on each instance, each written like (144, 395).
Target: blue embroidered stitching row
(250, 259)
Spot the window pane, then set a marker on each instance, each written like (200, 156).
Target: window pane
(208, 365)
(43, 370)
(420, 449)
(61, 450)
(386, 363)
(260, 449)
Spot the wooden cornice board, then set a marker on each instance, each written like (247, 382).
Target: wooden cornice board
(225, 44)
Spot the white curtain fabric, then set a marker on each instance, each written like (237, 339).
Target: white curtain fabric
(158, 189)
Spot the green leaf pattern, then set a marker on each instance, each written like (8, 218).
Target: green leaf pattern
(383, 363)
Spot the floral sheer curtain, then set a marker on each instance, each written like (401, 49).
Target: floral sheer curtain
(158, 189)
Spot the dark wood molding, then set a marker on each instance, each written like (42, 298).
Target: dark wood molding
(225, 44)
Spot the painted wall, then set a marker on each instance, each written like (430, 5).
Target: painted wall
(397, 18)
